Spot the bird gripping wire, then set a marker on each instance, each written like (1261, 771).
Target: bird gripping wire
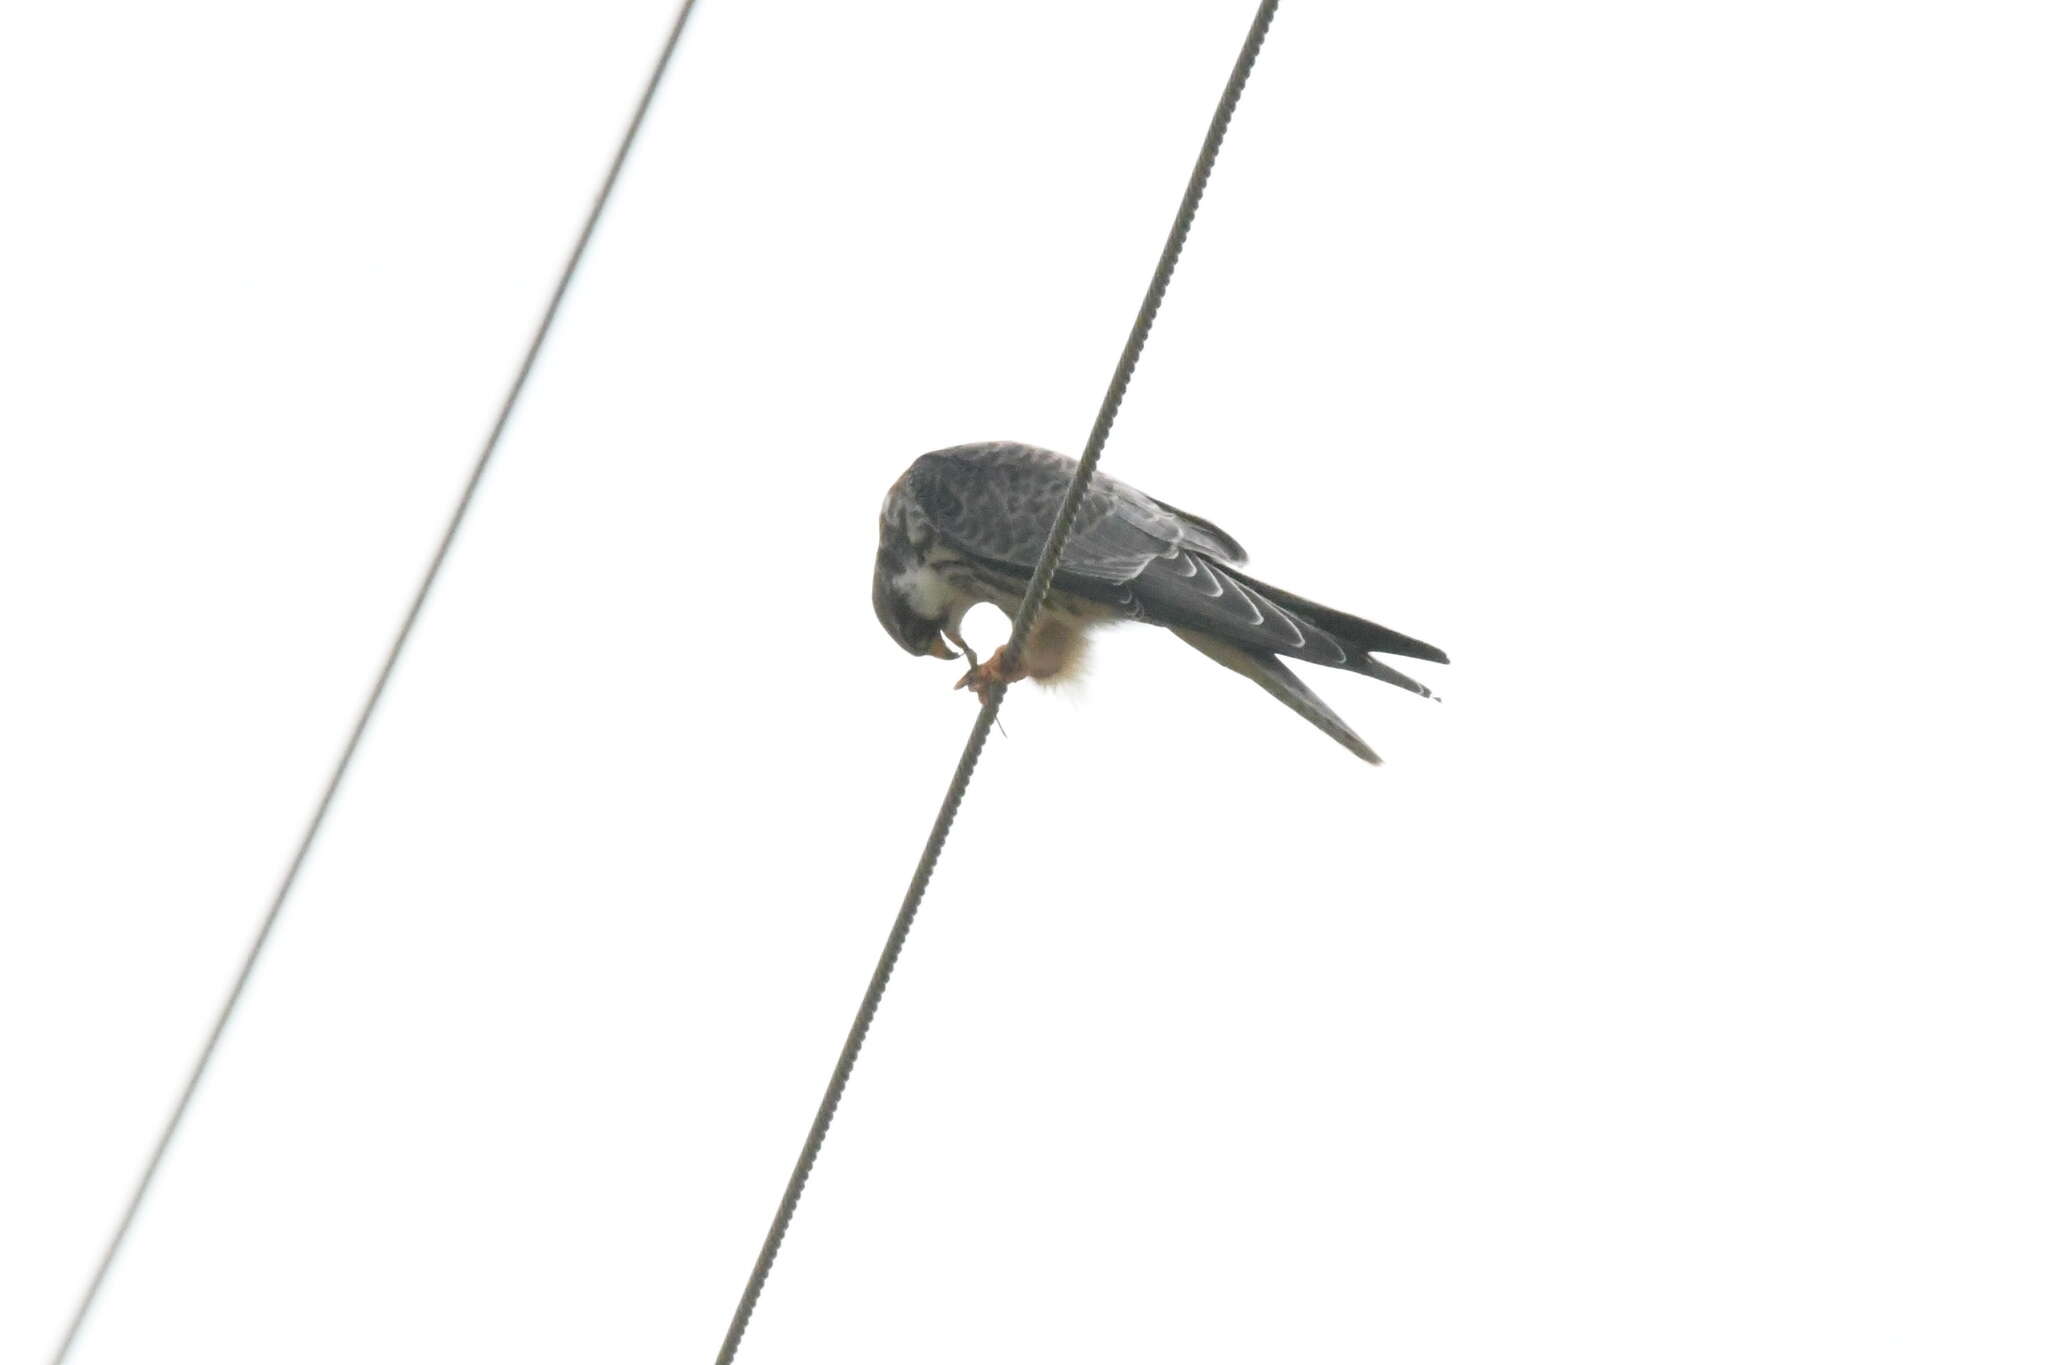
(1020, 630)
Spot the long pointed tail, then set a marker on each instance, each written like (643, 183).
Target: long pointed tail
(1352, 630)
(1360, 637)
(1277, 678)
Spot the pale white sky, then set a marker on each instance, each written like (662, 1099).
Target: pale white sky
(1673, 993)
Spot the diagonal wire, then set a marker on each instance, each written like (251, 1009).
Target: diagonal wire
(376, 694)
(1027, 613)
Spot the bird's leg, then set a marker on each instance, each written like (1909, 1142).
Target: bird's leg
(998, 669)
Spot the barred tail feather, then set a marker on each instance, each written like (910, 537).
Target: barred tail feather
(1373, 668)
(1268, 672)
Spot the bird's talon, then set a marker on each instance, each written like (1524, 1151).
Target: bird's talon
(996, 669)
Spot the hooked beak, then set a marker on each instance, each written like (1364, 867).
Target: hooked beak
(939, 650)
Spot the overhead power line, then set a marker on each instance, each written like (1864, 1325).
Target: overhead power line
(1020, 629)
(377, 689)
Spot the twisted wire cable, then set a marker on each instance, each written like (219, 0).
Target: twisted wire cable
(318, 818)
(1027, 614)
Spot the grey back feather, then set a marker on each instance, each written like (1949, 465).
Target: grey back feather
(996, 501)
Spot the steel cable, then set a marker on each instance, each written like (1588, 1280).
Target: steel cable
(1027, 613)
(376, 693)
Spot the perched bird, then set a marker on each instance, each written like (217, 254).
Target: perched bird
(965, 525)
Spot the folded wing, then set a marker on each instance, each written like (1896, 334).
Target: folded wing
(995, 503)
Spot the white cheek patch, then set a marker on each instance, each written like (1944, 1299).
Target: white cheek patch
(927, 592)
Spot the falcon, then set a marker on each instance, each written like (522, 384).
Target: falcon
(965, 525)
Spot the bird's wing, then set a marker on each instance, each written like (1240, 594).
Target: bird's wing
(996, 502)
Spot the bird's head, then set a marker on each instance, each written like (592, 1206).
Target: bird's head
(917, 633)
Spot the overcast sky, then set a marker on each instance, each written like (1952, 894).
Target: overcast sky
(1674, 993)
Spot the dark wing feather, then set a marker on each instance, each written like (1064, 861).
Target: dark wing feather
(1221, 544)
(996, 502)
(1355, 631)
